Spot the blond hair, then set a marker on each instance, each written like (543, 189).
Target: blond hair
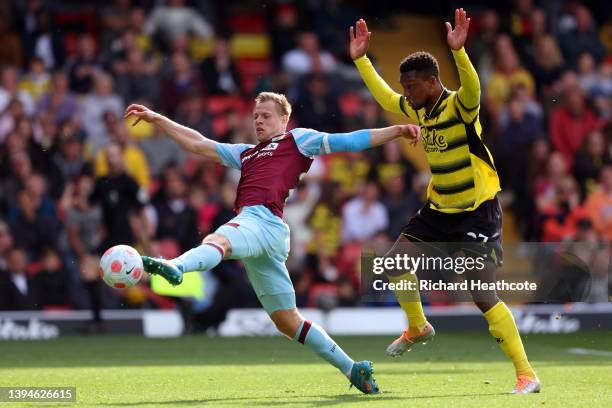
(279, 99)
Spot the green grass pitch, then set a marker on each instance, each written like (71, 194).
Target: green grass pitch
(457, 369)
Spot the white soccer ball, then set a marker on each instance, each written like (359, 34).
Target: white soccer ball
(121, 267)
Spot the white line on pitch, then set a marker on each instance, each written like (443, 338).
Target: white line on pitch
(589, 352)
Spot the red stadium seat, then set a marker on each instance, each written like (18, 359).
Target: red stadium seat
(248, 23)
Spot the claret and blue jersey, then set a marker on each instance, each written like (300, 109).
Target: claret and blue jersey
(269, 170)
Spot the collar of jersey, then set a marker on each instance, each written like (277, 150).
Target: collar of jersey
(277, 138)
(442, 97)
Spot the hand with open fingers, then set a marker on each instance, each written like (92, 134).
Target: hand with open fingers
(359, 39)
(141, 112)
(410, 132)
(456, 37)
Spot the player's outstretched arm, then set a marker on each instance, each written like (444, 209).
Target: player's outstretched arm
(468, 95)
(188, 138)
(311, 142)
(382, 92)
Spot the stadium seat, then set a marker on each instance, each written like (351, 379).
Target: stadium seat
(248, 23)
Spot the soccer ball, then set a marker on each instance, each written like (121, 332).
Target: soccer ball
(121, 267)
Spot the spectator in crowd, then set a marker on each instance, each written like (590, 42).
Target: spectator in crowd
(33, 231)
(516, 137)
(589, 161)
(135, 160)
(508, 75)
(85, 65)
(182, 81)
(587, 72)
(121, 201)
(219, 71)
(325, 223)
(190, 113)
(175, 20)
(94, 109)
(318, 106)
(59, 101)
(176, 220)
(599, 205)
(50, 285)
(581, 38)
(114, 19)
(571, 122)
(85, 234)
(15, 286)
(48, 42)
(401, 203)
(563, 217)
(546, 65)
(370, 212)
(308, 57)
(68, 157)
(9, 91)
(139, 81)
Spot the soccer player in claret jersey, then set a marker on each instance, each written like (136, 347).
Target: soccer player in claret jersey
(462, 207)
(257, 235)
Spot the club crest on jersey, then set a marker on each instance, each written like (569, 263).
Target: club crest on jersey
(271, 146)
(433, 141)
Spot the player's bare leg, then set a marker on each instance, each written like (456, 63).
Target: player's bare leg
(214, 248)
(503, 329)
(291, 323)
(419, 330)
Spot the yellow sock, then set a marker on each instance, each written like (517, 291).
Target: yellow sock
(410, 302)
(503, 328)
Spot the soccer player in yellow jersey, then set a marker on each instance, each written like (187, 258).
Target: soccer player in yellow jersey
(462, 207)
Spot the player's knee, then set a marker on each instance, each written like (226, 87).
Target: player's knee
(220, 240)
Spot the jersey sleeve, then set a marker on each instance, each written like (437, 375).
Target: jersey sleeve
(311, 142)
(230, 154)
(467, 98)
(386, 97)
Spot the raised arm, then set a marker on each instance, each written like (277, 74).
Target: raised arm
(385, 96)
(189, 139)
(468, 95)
(312, 142)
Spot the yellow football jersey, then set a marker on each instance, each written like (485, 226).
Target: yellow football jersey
(463, 172)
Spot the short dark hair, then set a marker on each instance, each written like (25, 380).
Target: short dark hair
(422, 62)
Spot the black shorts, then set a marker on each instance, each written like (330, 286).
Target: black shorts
(478, 231)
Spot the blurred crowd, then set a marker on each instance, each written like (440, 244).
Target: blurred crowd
(77, 178)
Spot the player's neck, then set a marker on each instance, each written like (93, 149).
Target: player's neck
(435, 99)
(272, 136)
